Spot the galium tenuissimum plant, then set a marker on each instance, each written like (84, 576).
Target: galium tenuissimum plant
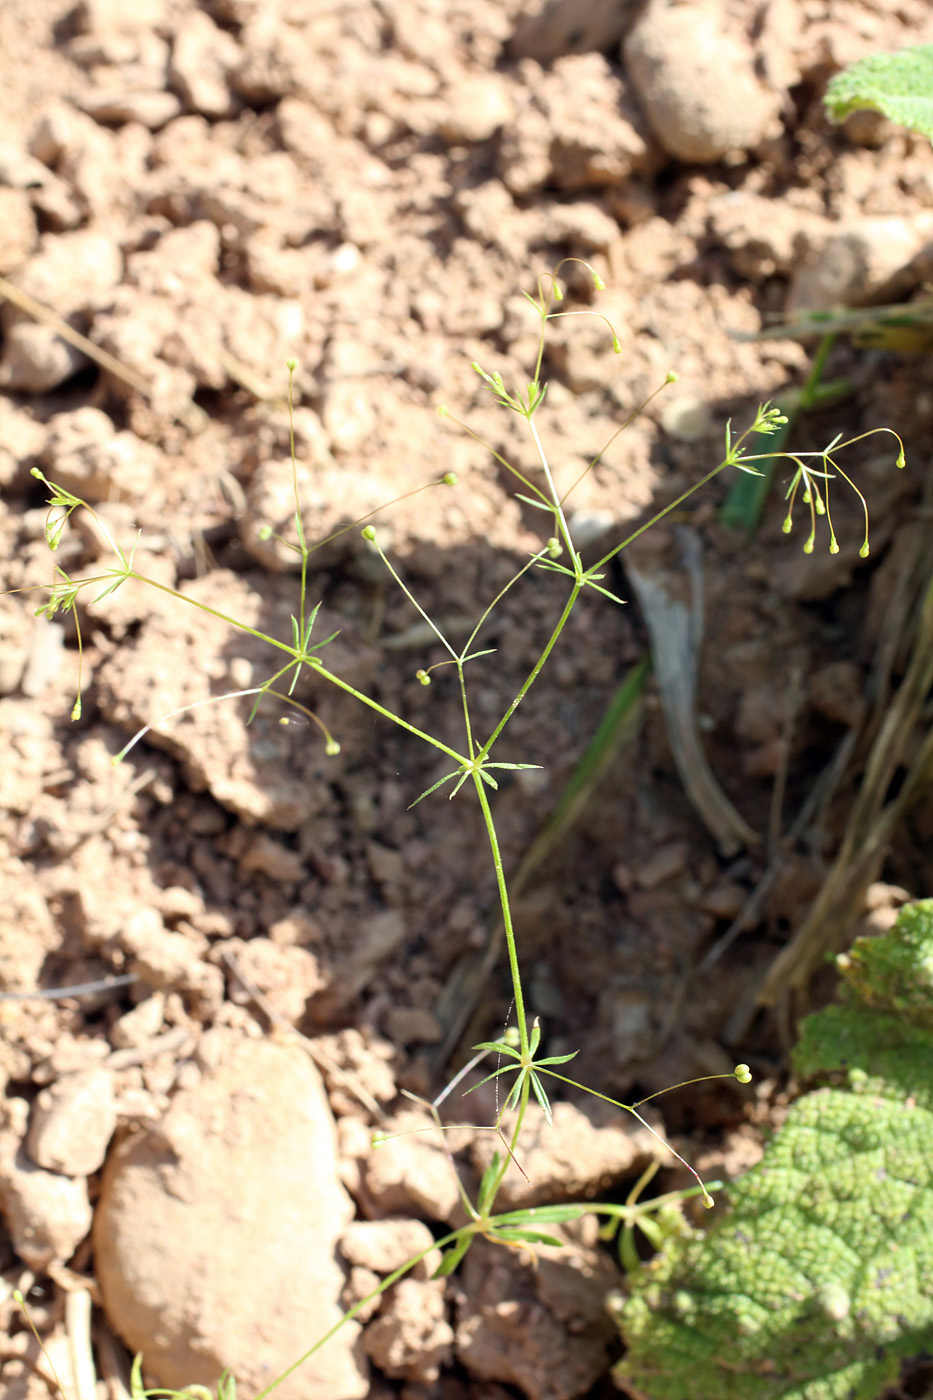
(521, 1065)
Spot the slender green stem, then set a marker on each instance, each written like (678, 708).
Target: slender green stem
(555, 498)
(214, 612)
(415, 604)
(387, 714)
(575, 1083)
(684, 496)
(506, 914)
(530, 486)
(461, 678)
(299, 523)
(544, 312)
(385, 1283)
(536, 669)
(498, 599)
(516, 1133)
(627, 422)
(312, 661)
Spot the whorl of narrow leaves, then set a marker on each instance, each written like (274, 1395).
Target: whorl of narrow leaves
(818, 1281)
(898, 85)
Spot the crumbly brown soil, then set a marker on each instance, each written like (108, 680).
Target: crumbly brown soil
(370, 188)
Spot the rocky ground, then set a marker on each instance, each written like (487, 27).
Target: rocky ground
(283, 943)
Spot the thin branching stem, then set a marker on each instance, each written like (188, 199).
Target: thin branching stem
(535, 670)
(506, 914)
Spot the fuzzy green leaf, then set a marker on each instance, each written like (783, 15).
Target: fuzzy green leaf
(818, 1281)
(898, 85)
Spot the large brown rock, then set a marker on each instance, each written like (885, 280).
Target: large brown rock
(696, 82)
(215, 1232)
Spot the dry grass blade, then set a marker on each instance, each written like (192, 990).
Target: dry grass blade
(818, 798)
(28, 304)
(78, 1327)
(190, 415)
(114, 1364)
(870, 827)
(676, 631)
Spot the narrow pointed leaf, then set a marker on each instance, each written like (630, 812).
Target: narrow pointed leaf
(453, 1257)
(427, 793)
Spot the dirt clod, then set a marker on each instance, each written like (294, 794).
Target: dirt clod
(73, 1122)
(237, 1183)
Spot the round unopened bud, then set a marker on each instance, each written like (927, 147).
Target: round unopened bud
(332, 748)
(743, 1074)
(449, 478)
(616, 346)
(598, 282)
(671, 377)
(423, 677)
(788, 525)
(291, 364)
(368, 533)
(863, 552)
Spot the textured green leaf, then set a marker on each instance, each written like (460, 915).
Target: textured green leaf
(899, 85)
(896, 974)
(818, 1280)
